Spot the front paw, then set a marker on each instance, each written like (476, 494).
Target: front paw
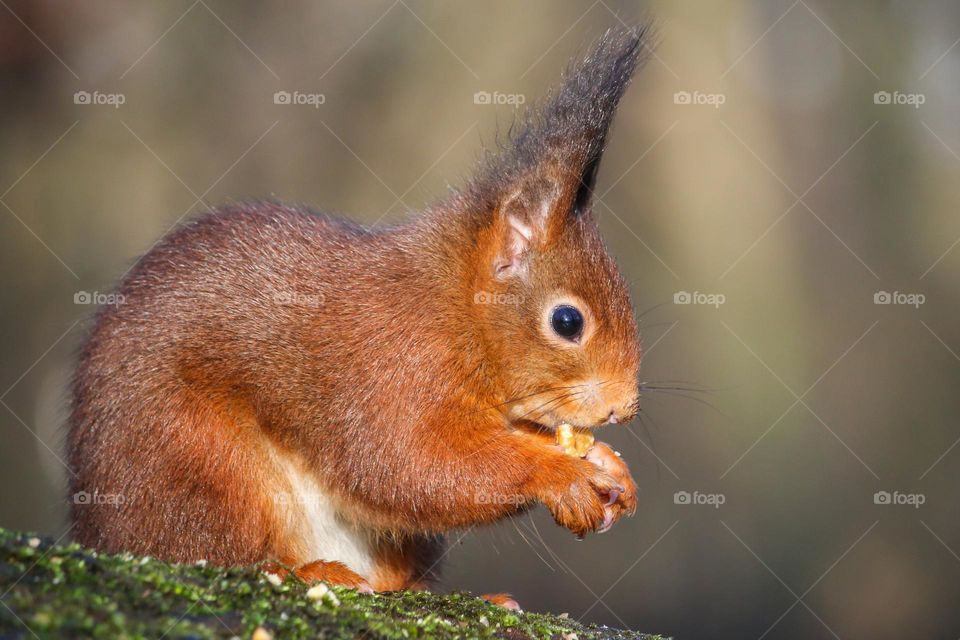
(584, 504)
(607, 459)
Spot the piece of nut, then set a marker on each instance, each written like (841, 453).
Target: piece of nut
(261, 634)
(574, 442)
(317, 591)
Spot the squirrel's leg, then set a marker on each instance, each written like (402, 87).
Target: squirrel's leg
(408, 563)
(504, 600)
(411, 564)
(331, 572)
(602, 455)
(498, 472)
(610, 461)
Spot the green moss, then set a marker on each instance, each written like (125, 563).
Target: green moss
(52, 590)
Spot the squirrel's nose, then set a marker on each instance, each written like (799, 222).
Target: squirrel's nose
(622, 414)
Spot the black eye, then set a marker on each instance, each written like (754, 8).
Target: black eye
(567, 321)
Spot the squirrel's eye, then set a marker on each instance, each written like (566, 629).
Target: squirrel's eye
(567, 321)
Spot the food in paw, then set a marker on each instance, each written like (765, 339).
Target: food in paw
(574, 442)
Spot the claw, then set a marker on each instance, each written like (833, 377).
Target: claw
(614, 494)
(607, 521)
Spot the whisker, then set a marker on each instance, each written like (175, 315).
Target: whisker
(644, 417)
(562, 400)
(516, 526)
(538, 408)
(691, 390)
(643, 314)
(693, 386)
(553, 554)
(580, 406)
(531, 395)
(679, 394)
(687, 386)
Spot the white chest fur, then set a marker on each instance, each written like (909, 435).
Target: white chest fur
(310, 512)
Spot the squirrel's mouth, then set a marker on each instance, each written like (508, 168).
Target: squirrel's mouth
(593, 403)
(585, 420)
(551, 423)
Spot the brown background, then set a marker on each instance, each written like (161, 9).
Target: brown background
(798, 199)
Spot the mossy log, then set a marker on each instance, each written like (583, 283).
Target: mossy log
(50, 590)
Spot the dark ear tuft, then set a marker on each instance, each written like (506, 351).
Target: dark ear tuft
(560, 141)
(576, 117)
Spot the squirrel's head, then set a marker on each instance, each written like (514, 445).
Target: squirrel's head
(549, 304)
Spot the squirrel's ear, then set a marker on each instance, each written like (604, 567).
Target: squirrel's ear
(543, 177)
(523, 221)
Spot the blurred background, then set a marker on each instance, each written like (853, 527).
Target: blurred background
(781, 189)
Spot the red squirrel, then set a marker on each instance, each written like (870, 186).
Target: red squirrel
(281, 385)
